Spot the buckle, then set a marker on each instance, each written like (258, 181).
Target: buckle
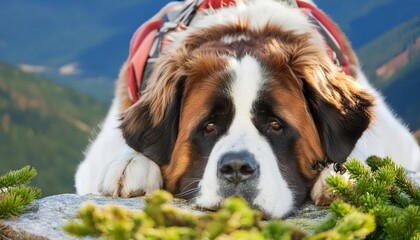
(185, 16)
(321, 165)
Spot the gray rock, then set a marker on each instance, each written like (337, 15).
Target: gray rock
(48, 215)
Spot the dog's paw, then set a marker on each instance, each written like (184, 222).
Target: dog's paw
(133, 175)
(319, 193)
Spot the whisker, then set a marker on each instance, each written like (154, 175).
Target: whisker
(194, 180)
(192, 200)
(190, 191)
(187, 192)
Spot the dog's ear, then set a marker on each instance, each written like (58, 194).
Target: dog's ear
(341, 109)
(150, 126)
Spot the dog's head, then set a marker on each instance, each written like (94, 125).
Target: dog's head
(247, 109)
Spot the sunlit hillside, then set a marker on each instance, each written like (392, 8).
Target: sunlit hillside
(44, 125)
(392, 62)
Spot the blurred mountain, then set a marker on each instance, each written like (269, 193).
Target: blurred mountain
(392, 63)
(365, 20)
(44, 125)
(78, 43)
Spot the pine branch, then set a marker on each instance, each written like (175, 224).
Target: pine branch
(355, 225)
(15, 196)
(399, 174)
(383, 191)
(408, 220)
(16, 200)
(375, 162)
(340, 186)
(18, 177)
(356, 169)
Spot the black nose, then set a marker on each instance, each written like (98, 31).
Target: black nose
(237, 167)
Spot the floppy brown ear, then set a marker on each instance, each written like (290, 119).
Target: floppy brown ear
(151, 125)
(341, 109)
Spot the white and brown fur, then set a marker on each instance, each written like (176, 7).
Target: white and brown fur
(253, 82)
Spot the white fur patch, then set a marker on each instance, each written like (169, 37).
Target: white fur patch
(104, 149)
(113, 168)
(235, 38)
(132, 174)
(274, 196)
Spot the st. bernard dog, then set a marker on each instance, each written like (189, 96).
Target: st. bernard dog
(245, 101)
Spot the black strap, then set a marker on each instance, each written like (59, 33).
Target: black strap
(186, 15)
(338, 57)
(321, 165)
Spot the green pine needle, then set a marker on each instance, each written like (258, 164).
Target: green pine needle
(356, 169)
(18, 177)
(404, 226)
(340, 186)
(355, 225)
(16, 200)
(15, 195)
(383, 191)
(375, 162)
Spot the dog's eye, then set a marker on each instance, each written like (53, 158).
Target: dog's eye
(210, 127)
(274, 125)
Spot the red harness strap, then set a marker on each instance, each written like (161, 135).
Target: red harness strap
(140, 46)
(144, 37)
(331, 28)
(215, 4)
